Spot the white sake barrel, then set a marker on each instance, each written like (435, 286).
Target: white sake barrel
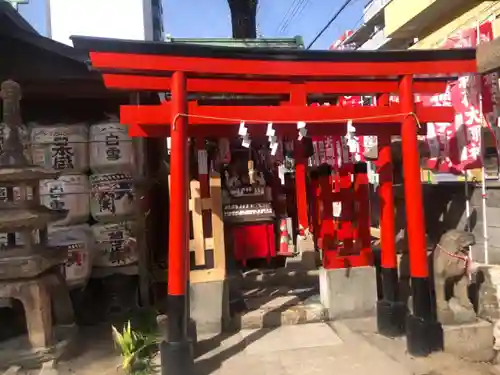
(68, 192)
(61, 147)
(112, 196)
(24, 135)
(111, 148)
(78, 240)
(114, 245)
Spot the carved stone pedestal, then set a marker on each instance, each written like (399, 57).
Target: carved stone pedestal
(43, 298)
(38, 296)
(472, 341)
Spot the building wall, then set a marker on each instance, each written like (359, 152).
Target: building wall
(481, 12)
(123, 19)
(399, 12)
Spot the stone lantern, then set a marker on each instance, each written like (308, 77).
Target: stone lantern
(30, 269)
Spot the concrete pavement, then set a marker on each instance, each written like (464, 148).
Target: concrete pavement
(347, 347)
(315, 348)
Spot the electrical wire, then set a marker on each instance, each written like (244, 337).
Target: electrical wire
(286, 15)
(297, 12)
(259, 34)
(286, 23)
(329, 23)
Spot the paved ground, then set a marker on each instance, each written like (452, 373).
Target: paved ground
(349, 347)
(436, 364)
(309, 349)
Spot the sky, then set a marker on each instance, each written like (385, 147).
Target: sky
(276, 18)
(210, 18)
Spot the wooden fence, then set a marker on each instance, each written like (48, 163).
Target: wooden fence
(207, 233)
(206, 243)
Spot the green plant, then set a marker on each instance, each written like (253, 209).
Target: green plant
(136, 349)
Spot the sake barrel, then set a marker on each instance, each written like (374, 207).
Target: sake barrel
(24, 136)
(115, 245)
(78, 241)
(68, 192)
(111, 148)
(112, 196)
(61, 147)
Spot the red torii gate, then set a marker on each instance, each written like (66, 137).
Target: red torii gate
(180, 68)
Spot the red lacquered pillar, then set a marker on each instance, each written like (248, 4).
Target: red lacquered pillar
(177, 353)
(424, 333)
(298, 96)
(362, 197)
(326, 234)
(391, 312)
(301, 185)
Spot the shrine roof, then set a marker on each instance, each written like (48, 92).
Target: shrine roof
(15, 27)
(44, 67)
(214, 60)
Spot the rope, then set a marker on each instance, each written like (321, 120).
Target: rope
(325, 121)
(463, 258)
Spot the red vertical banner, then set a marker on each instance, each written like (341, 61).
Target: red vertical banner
(333, 150)
(456, 147)
(489, 83)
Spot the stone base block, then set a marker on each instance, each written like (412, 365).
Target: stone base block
(488, 282)
(349, 293)
(209, 305)
(473, 341)
(279, 311)
(280, 277)
(306, 259)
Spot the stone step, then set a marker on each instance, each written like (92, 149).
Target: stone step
(278, 310)
(280, 277)
(13, 370)
(48, 368)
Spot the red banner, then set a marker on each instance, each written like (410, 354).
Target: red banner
(333, 150)
(339, 44)
(456, 147)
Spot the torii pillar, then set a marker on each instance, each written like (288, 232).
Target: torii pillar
(177, 354)
(391, 312)
(424, 333)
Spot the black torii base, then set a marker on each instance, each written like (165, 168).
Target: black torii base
(391, 312)
(391, 318)
(177, 358)
(424, 333)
